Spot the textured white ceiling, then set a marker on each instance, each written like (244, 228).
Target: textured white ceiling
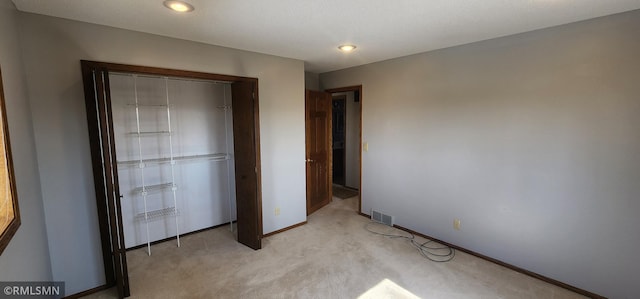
(311, 30)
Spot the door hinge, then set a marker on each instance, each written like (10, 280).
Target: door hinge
(255, 169)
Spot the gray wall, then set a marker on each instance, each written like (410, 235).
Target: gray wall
(531, 140)
(26, 258)
(52, 50)
(311, 81)
(352, 142)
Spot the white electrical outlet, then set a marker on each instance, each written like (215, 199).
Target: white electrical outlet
(456, 224)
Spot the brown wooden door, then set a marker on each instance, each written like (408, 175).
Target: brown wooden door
(318, 149)
(247, 156)
(103, 154)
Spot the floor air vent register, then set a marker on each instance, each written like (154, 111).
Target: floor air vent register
(382, 218)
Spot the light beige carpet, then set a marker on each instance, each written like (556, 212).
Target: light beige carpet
(332, 256)
(344, 192)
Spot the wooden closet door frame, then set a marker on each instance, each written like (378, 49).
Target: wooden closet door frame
(99, 118)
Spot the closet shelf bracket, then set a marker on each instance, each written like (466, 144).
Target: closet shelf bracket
(153, 188)
(157, 214)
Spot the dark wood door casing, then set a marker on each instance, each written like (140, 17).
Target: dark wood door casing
(318, 149)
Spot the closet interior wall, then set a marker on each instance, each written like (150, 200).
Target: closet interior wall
(157, 120)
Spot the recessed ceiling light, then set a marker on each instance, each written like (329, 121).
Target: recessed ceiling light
(347, 48)
(179, 6)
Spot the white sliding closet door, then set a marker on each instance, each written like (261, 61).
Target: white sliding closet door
(159, 120)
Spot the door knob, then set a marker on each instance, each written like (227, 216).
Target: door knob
(308, 160)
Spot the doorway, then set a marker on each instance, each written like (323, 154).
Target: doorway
(103, 142)
(344, 146)
(339, 138)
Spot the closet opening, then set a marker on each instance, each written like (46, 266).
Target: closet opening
(173, 152)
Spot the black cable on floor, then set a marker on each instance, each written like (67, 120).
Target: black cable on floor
(437, 253)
